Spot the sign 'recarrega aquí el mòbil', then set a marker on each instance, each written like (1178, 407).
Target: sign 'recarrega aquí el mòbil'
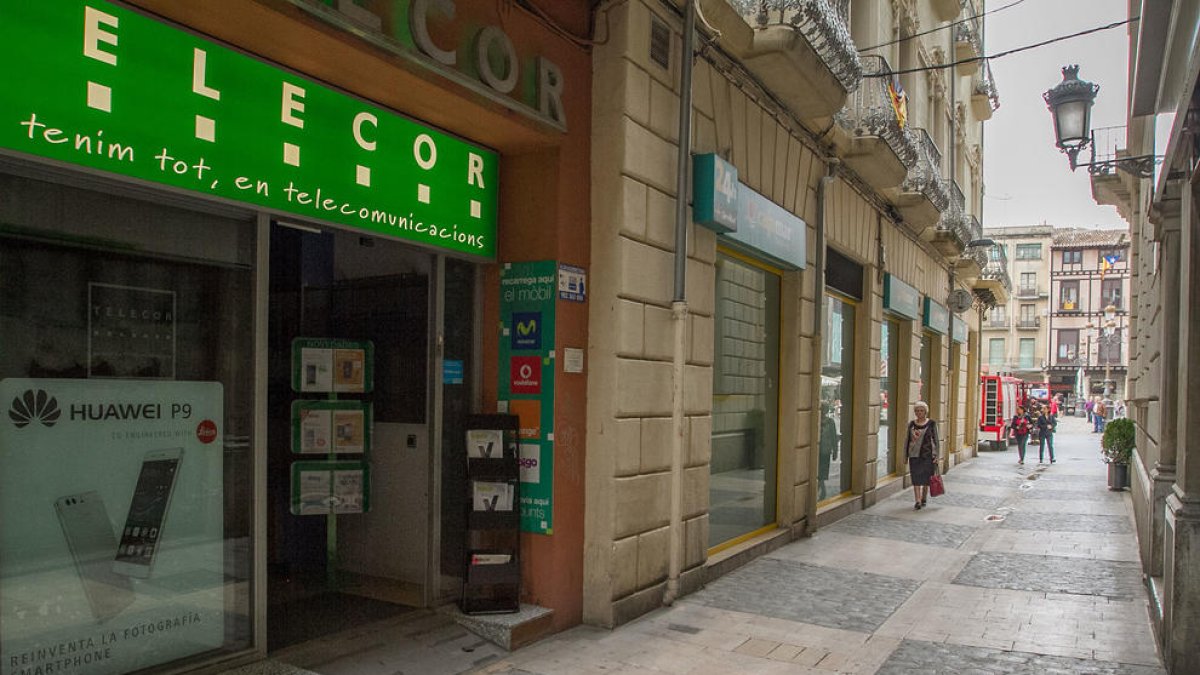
(112, 554)
(95, 85)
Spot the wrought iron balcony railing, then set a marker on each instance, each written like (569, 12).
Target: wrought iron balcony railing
(954, 219)
(995, 323)
(823, 23)
(968, 32)
(926, 175)
(1034, 322)
(869, 112)
(996, 268)
(985, 85)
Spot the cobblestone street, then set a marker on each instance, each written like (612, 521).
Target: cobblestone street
(1017, 569)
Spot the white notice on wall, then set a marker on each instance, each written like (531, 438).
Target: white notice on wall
(572, 360)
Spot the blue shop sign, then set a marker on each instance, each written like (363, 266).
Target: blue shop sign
(900, 298)
(958, 329)
(937, 317)
(714, 193)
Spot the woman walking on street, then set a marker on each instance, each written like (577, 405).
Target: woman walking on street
(1047, 423)
(1020, 426)
(921, 448)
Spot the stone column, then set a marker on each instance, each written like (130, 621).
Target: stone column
(1181, 620)
(1161, 469)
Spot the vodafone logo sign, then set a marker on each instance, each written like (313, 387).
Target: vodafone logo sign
(526, 375)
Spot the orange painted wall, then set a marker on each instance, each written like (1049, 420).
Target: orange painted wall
(544, 194)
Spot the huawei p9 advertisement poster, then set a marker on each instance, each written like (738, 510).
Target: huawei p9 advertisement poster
(111, 550)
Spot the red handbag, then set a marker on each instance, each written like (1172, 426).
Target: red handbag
(935, 486)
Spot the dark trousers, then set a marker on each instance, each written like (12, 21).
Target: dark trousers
(1045, 438)
(1022, 439)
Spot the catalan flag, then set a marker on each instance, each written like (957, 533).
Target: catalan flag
(1107, 262)
(899, 100)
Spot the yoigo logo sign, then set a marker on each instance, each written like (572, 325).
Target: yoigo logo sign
(34, 406)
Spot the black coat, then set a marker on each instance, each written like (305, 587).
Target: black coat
(1047, 424)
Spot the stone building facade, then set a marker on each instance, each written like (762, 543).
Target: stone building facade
(757, 396)
(1148, 172)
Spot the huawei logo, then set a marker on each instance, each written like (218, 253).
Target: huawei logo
(34, 406)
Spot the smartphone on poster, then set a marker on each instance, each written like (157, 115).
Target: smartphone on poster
(89, 536)
(147, 511)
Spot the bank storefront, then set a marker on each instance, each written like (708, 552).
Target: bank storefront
(239, 310)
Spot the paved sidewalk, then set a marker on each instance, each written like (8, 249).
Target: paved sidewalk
(1029, 569)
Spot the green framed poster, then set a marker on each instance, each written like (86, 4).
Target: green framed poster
(331, 366)
(111, 89)
(324, 488)
(528, 292)
(337, 427)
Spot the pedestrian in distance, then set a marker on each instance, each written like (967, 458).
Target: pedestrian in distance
(1047, 424)
(1099, 414)
(1088, 407)
(1020, 425)
(921, 448)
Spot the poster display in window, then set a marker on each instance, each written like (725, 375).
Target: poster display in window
(338, 427)
(112, 556)
(324, 488)
(329, 366)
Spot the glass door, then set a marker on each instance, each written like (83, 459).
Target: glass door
(889, 349)
(745, 431)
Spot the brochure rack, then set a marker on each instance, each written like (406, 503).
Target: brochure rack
(492, 575)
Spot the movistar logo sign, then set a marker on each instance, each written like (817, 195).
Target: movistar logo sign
(527, 331)
(34, 406)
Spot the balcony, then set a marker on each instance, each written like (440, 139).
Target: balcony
(993, 279)
(985, 99)
(1030, 293)
(799, 49)
(990, 323)
(968, 44)
(946, 10)
(870, 139)
(923, 196)
(1109, 186)
(1028, 324)
(953, 231)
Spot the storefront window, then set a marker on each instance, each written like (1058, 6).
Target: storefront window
(127, 372)
(837, 396)
(888, 354)
(745, 400)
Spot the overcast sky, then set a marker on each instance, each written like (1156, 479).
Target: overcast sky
(1027, 181)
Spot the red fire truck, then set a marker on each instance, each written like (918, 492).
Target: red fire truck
(999, 396)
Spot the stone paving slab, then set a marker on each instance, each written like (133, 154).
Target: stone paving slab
(1065, 544)
(877, 556)
(1068, 522)
(984, 479)
(913, 530)
(1087, 508)
(914, 656)
(1041, 492)
(974, 501)
(1053, 574)
(796, 591)
(1077, 626)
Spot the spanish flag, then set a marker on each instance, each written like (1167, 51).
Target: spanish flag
(899, 100)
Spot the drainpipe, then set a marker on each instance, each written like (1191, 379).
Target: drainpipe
(679, 307)
(818, 318)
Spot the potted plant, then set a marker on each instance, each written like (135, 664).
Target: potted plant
(1117, 447)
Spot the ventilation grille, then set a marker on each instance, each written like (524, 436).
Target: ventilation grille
(660, 43)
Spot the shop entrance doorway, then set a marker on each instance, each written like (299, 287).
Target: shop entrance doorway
(355, 501)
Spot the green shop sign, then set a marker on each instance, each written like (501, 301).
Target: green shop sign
(937, 317)
(900, 298)
(528, 293)
(96, 85)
